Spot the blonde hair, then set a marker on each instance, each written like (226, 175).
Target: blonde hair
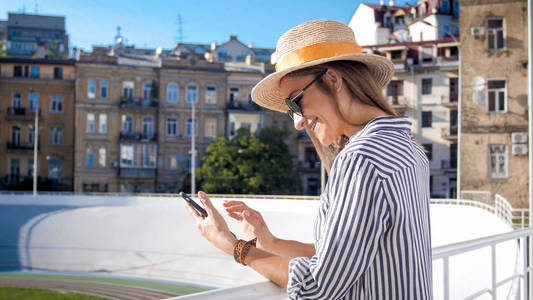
(360, 84)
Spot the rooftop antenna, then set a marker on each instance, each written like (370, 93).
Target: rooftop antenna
(179, 31)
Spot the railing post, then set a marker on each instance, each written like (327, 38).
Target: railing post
(493, 272)
(525, 285)
(446, 278)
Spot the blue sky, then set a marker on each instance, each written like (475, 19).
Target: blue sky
(154, 23)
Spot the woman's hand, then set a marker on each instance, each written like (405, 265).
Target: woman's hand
(252, 222)
(213, 227)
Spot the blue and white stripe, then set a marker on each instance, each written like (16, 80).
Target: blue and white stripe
(372, 231)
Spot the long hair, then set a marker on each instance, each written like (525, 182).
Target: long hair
(360, 84)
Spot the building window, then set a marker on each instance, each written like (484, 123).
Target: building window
(426, 54)
(148, 155)
(172, 92)
(17, 71)
(172, 127)
(427, 85)
(126, 155)
(127, 124)
(429, 150)
(394, 91)
(172, 162)
(30, 167)
(101, 157)
(396, 54)
(495, 34)
(234, 94)
(54, 169)
(56, 104)
(89, 158)
(15, 135)
(148, 127)
(445, 7)
(192, 94)
(128, 89)
(103, 89)
(497, 96)
(211, 95)
(427, 118)
(58, 73)
(35, 71)
(102, 122)
(34, 101)
(16, 100)
(56, 136)
(14, 170)
(147, 90)
(31, 135)
(91, 88)
(497, 161)
(210, 127)
(189, 127)
(90, 123)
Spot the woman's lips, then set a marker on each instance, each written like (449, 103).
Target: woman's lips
(313, 124)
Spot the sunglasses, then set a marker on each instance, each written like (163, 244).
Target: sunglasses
(294, 102)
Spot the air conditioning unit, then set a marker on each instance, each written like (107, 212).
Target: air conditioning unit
(114, 164)
(477, 31)
(519, 137)
(519, 149)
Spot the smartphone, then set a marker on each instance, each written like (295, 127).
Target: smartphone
(196, 206)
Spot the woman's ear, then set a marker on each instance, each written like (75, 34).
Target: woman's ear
(334, 79)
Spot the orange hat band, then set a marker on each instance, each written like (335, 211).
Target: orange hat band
(316, 51)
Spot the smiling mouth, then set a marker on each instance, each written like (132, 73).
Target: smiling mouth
(313, 124)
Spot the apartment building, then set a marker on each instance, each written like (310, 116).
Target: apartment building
(421, 41)
(494, 98)
(29, 35)
(30, 87)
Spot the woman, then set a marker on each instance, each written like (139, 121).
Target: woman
(372, 238)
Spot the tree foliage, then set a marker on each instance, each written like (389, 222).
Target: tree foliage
(249, 164)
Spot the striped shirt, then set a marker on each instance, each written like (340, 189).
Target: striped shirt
(372, 234)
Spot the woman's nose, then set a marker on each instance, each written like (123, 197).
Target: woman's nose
(299, 122)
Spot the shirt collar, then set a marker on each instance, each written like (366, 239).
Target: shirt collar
(400, 124)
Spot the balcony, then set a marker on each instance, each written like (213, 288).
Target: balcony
(398, 102)
(137, 172)
(21, 113)
(138, 103)
(449, 100)
(240, 105)
(448, 61)
(12, 146)
(449, 133)
(134, 137)
(447, 164)
(10, 74)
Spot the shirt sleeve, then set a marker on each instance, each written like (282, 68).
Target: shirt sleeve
(358, 215)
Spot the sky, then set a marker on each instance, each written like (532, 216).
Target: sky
(155, 23)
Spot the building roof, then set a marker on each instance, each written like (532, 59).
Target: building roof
(36, 21)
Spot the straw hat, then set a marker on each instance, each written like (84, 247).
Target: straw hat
(310, 44)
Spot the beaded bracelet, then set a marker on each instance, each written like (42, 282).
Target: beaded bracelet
(241, 250)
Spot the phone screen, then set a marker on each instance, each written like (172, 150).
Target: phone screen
(196, 206)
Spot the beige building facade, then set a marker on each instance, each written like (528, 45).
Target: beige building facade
(494, 98)
(45, 87)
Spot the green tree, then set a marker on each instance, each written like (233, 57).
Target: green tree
(249, 164)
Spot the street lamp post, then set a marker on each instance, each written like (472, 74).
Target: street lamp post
(193, 151)
(35, 143)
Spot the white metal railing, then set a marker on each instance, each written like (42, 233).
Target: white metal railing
(523, 237)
